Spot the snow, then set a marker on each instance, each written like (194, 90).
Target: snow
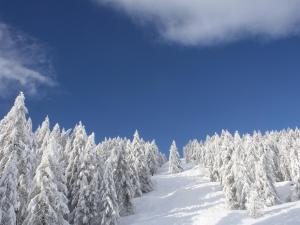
(189, 198)
(283, 190)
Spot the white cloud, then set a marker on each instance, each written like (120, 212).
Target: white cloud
(209, 22)
(24, 65)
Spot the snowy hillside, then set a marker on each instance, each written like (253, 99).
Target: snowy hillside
(189, 198)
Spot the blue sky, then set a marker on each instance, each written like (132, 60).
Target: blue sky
(117, 69)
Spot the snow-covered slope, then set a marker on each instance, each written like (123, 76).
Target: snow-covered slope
(188, 198)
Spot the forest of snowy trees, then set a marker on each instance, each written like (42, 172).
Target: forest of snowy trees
(248, 166)
(60, 177)
(54, 176)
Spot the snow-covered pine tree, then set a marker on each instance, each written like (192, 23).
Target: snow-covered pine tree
(42, 131)
(162, 159)
(104, 148)
(192, 151)
(73, 168)
(66, 140)
(42, 135)
(218, 150)
(242, 185)
(229, 187)
(65, 135)
(87, 210)
(33, 144)
(60, 169)
(174, 160)
(244, 161)
(284, 146)
(152, 157)
(55, 133)
(69, 144)
(9, 196)
(16, 141)
(121, 176)
(231, 177)
(109, 200)
(134, 178)
(187, 152)
(144, 174)
(140, 162)
(227, 147)
(264, 183)
(48, 204)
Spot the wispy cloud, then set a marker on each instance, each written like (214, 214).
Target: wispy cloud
(24, 65)
(209, 22)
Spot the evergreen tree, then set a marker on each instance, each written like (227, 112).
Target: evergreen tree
(42, 135)
(123, 185)
(60, 165)
(17, 146)
(264, 184)
(229, 188)
(152, 157)
(109, 200)
(229, 174)
(174, 160)
(140, 162)
(73, 168)
(48, 203)
(65, 136)
(89, 199)
(9, 196)
(134, 178)
(144, 174)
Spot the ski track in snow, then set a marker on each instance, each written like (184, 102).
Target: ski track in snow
(189, 198)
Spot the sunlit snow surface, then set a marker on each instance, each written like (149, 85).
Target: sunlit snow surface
(188, 198)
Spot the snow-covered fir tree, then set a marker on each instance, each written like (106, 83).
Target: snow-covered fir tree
(162, 159)
(109, 199)
(59, 156)
(48, 204)
(264, 184)
(9, 196)
(42, 135)
(17, 147)
(134, 177)
(42, 131)
(86, 210)
(140, 162)
(174, 160)
(152, 157)
(73, 168)
(65, 136)
(121, 176)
